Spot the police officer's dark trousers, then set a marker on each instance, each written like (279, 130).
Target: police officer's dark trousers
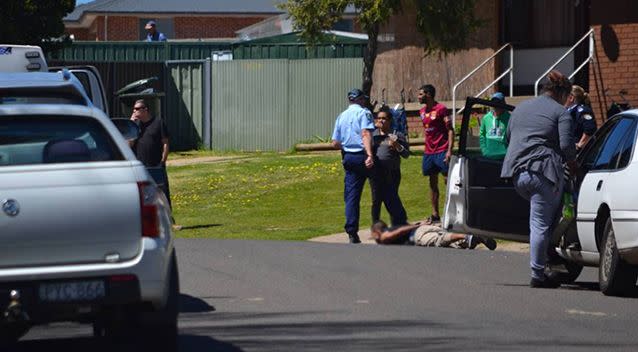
(355, 178)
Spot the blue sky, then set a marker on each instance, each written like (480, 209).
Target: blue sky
(78, 2)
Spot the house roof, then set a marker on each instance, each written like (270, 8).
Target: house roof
(172, 6)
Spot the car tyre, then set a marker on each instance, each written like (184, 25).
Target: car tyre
(162, 328)
(616, 277)
(566, 277)
(10, 334)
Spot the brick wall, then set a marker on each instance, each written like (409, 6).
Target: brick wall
(123, 28)
(212, 27)
(617, 64)
(401, 64)
(80, 33)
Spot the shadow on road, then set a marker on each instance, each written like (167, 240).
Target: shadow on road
(83, 344)
(190, 304)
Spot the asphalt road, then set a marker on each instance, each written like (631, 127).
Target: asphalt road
(304, 296)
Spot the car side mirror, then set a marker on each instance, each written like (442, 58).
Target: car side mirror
(129, 129)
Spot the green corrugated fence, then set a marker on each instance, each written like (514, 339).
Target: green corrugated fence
(274, 104)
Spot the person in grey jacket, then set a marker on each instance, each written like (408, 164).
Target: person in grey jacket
(540, 140)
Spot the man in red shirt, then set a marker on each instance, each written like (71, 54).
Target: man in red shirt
(439, 140)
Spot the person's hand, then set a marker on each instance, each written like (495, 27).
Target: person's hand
(369, 162)
(448, 155)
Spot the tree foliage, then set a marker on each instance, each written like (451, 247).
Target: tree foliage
(445, 24)
(31, 22)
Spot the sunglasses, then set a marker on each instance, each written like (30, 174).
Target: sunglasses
(382, 118)
(139, 108)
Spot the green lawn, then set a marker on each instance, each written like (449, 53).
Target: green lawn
(277, 196)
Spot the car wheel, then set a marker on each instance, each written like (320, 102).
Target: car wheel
(10, 334)
(616, 277)
(572, 272)
(162, 329)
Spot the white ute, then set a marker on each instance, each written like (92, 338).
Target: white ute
(86, 234)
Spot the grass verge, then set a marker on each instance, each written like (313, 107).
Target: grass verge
(277, 196)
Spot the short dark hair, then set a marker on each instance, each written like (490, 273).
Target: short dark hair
(386, 109)
(141, 101)
(379, 226)
(428, 88)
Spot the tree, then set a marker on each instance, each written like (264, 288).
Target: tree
(444, 24)
(33, 22)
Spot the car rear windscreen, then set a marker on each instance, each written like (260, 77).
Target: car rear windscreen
(26, 140)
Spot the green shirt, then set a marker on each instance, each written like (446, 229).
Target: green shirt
(492, 135)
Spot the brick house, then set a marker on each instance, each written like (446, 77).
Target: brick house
(540, 31)
(114, 20)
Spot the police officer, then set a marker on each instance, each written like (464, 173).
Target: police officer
(579, 106)
(353, 135)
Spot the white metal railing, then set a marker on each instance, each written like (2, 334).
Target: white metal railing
(509, 70)
(589, 35)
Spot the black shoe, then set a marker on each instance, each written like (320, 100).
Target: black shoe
(488, 242)
(543, 283)
(473, 241)
(354, 238)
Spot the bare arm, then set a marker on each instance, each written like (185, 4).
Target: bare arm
(391, 236)
(164, 150)
(366, 136)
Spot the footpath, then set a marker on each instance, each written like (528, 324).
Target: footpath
(364, 234)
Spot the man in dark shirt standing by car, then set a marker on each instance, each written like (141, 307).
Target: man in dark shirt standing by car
(151, 147)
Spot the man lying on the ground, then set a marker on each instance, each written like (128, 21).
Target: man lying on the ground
(427, 235)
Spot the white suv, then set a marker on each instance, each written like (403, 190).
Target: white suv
(605, 233)
(86, 233)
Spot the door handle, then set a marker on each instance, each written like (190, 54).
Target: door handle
(600, 184)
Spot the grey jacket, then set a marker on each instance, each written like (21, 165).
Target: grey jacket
(540, 139)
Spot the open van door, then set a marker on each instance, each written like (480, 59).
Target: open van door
(478, 200)
(90, 78)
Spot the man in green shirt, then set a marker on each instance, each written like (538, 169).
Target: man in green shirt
(493, 129)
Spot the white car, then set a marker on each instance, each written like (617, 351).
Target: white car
(85, 232)
(605, 233)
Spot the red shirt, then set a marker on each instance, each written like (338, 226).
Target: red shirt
(437, 123)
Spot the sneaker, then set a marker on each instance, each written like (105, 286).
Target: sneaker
(543, 283)
(354, 238)
(473, 241)
(489, 242)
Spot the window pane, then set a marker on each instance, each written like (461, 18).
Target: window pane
(53, 139)
(627, 148)
(593, 148)
(609, 154)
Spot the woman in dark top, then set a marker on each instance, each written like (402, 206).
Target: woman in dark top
(388, 147)
(540, 140)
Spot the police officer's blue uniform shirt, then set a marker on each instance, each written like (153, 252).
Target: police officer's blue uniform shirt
(584, 122)
(349, 126)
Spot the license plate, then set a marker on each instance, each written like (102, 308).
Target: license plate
(72, 291)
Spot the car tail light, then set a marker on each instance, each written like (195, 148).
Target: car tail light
(148, 204)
